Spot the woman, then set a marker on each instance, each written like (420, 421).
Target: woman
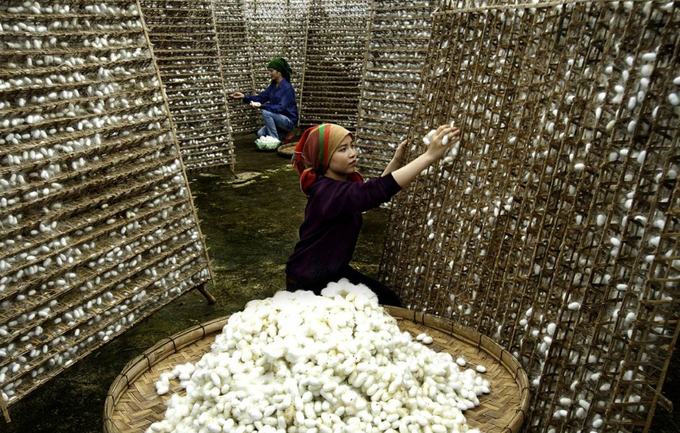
(280, 115)
(326, 160)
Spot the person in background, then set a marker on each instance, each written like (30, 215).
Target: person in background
(277, 102)
(326, 159)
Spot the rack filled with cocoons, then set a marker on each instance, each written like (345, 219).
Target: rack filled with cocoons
(187, 52)
(554, 230)
(336, 45)
(236, 62)
(97, 226)
(298, 362)
(398, 41)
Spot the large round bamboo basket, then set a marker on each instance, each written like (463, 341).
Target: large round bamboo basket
(132, 404)
(287, 150)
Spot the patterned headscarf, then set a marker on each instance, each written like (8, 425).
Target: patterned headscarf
(314, 151)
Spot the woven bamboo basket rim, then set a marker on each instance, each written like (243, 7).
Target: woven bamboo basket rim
(132, 404)
(286, 150)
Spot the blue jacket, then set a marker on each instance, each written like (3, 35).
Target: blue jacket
(281, 100)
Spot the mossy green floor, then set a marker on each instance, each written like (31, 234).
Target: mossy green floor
(251, 226)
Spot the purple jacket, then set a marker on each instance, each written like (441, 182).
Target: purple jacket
(330, 230)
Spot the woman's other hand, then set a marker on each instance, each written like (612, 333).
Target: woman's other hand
(399, 154)
(255, 104)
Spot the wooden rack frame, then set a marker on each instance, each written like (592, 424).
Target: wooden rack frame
(555, 231)
(97, 224)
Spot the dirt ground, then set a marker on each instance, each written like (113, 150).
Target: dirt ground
(251, 225)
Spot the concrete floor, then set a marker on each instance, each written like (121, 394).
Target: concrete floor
(251, 227)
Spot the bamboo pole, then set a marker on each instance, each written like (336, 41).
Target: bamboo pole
(224, 89)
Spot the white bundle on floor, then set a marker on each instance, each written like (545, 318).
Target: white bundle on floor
(267, 142)
(298, 362)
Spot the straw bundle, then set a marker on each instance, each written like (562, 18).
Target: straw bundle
(97, 226)
(555, 231)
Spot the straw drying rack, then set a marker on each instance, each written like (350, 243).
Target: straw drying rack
(187, 51)
(98, 227)
(398, 41)
(132, 404)
(555, 231)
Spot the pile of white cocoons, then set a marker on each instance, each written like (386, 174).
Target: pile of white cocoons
(298, 362)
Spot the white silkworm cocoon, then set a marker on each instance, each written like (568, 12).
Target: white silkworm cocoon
(551, 328)
(574, 306)
(427, 139)
(297, 362)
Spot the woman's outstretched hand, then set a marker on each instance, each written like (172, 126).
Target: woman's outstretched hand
(443, 137)
(440, 142)
(237, 95)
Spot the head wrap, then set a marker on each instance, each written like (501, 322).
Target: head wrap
(314, 151)
(280, 64)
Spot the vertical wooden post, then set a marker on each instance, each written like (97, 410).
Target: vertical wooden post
(304, 63)
(363, 69)
(224, 89)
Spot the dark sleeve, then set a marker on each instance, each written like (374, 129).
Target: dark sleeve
(262, 97)
(287, 97)
(350, 197)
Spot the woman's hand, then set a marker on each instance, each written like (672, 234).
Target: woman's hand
(399, 154)
(444, 137)
(397, 159)
(255, 104)
(440, 143)
(237, 95)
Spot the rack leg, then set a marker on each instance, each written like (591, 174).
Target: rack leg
(211, 299)
(5, 412)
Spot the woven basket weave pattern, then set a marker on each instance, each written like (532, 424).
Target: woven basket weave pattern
(132, 404)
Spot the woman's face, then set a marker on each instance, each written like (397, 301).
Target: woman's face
(344, 160)
(274, 74)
